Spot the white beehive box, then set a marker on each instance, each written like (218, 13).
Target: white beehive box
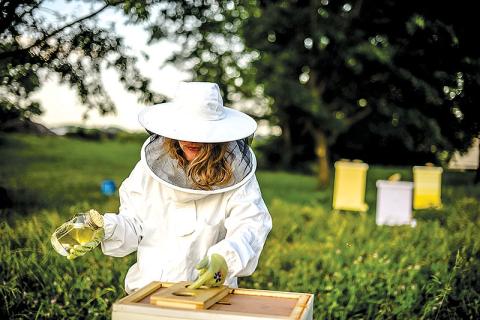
(394, 203)
(239, 304)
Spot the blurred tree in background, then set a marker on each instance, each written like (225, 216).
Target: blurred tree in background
(370, 79)
(404, 76)
(73, 47)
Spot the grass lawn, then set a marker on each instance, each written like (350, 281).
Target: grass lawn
(355, 268)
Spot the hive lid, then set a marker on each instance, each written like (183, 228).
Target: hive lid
(95, 219)
(351, 164)
(394, 184)
(427, 168)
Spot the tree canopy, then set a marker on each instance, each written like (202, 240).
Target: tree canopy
(36, 39)
(407, 73)
(364, 73)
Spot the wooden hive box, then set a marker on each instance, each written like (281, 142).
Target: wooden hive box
(394, 203)
(237, 304)
(349, 186)
(427, 187)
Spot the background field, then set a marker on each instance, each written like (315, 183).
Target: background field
(354, 268)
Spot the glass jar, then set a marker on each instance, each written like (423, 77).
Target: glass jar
(81, 229)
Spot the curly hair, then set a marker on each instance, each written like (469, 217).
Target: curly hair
(209, 168)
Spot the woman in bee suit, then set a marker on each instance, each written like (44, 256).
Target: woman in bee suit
(191, 207)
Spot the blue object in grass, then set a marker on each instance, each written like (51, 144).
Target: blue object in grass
(108, 187)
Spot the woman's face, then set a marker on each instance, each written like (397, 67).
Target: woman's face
(190, 149)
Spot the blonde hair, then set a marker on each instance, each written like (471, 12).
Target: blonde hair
(209, 168)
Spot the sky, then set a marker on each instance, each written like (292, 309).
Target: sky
(60, 103)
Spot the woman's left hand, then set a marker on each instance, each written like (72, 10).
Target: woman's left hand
(212, 272)
(81, 249)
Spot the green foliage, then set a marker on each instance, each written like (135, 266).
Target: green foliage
(401, 72)
(355, 268)
(328, 55)
(73, 47)
(53, 176)
(9, 111)
(359, 270)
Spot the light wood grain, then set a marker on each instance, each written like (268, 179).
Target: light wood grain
(179, 296)
(142, 293)
(243, 304)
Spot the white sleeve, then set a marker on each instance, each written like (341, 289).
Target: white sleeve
(248, 223)
(123, 231)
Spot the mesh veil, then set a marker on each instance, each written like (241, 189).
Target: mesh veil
(167, 168)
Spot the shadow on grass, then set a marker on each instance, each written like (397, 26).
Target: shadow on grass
(439, 215)
(459, 178)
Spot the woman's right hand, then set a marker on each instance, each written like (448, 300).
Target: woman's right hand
(212, 272)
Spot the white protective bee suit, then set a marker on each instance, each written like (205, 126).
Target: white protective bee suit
(172, 226)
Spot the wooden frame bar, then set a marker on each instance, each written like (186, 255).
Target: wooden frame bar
(135, 306)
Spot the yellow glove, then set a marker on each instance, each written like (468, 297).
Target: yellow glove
(80, 249)
(212, 272)
(79, 235)
(93, 221)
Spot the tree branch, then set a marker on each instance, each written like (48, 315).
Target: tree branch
(7, 54)
(10, 18)
(30, 11)
(358, 116)
(350, 122)
(357, 8)
(309, 127)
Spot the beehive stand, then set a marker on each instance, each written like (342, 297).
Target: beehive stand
(180, 296)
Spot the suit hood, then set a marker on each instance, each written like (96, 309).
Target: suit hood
(167, 171)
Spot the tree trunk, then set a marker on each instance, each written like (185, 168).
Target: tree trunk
(477, 174)
(321, 150)
(287, 144)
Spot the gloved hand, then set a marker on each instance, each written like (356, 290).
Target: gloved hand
(80, 250)
(95, 221)
(212, 272)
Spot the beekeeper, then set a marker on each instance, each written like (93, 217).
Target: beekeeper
(191, 207)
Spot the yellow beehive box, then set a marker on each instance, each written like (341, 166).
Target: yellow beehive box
(427, 185)
(349, 186)
(238, 304)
